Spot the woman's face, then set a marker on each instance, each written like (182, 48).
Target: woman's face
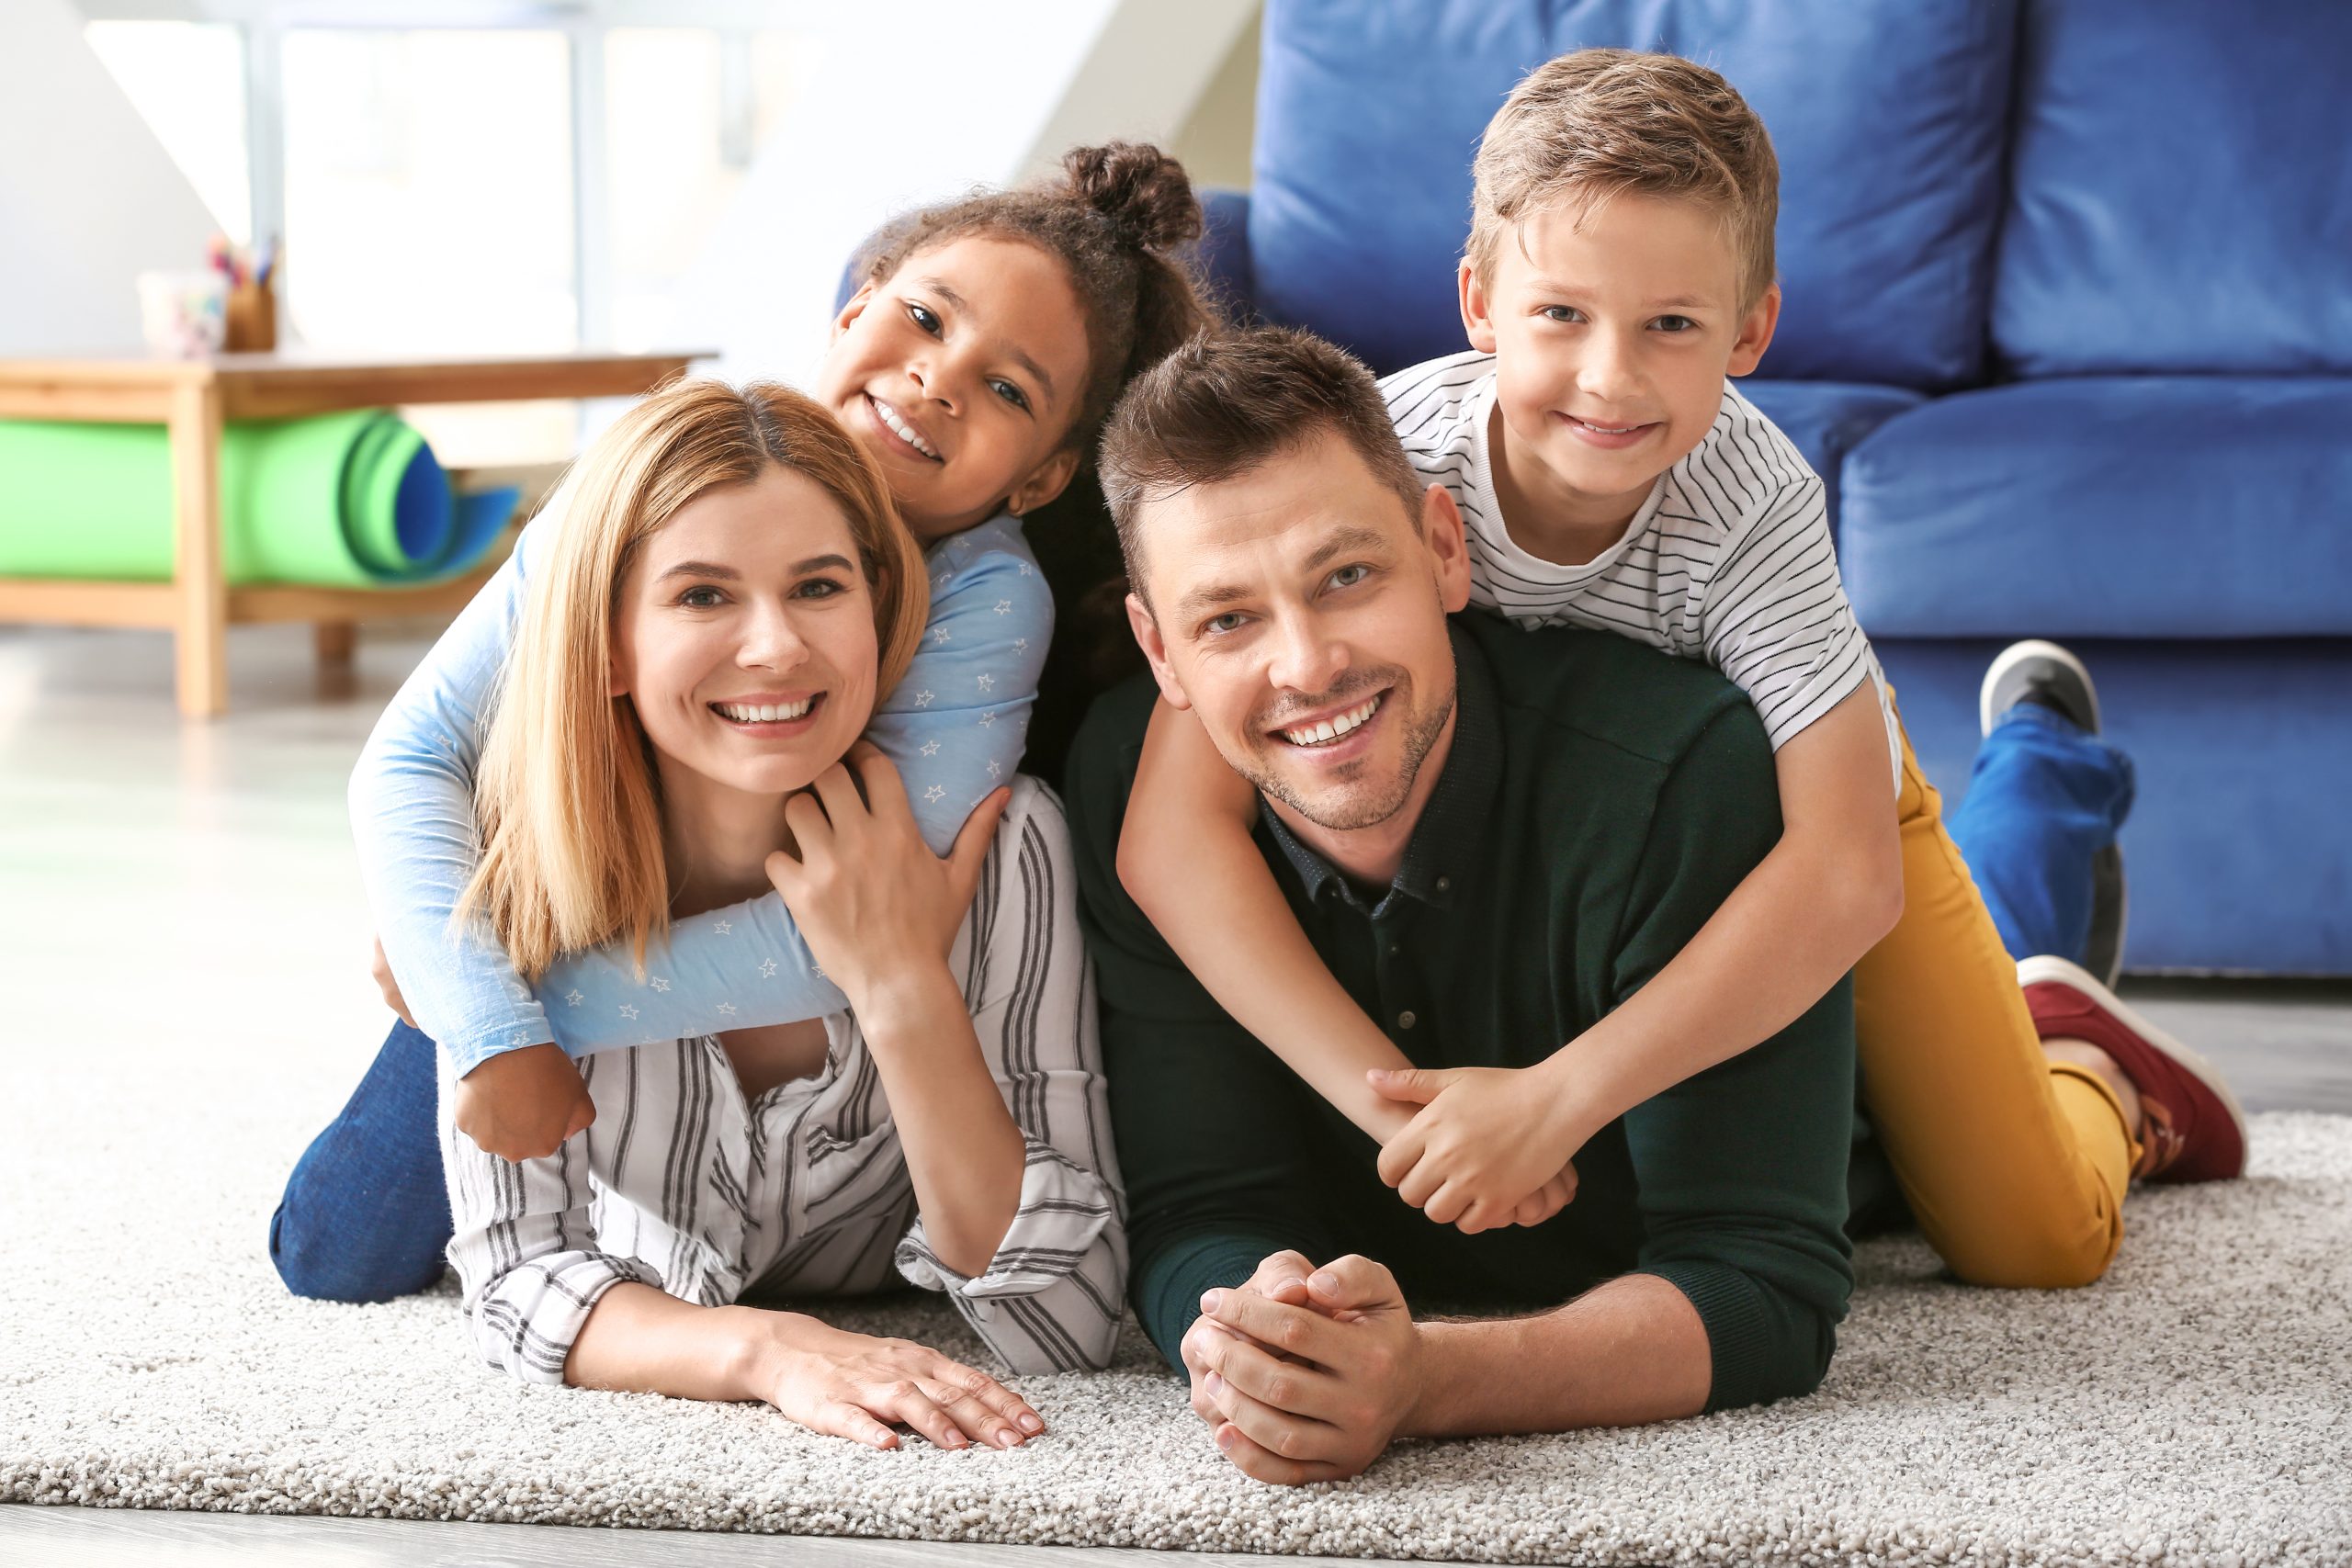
(961, 373)
(745, 634)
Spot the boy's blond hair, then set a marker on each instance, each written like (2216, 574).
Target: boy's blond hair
(1593, 124)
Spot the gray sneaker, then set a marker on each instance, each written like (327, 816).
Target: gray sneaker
(2037, 672)
(2051, 676)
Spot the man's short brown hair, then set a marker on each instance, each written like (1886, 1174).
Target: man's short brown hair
(1599, 122)
(1225, 403)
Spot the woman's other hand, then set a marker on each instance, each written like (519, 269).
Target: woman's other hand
(873, 902)
(523, 1104)
(858, 1387)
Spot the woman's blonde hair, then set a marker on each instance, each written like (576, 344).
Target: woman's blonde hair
(567, 793)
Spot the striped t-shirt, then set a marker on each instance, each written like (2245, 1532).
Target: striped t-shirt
(682, 1185)
(1729, 561)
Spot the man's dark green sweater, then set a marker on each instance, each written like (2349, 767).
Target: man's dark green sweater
(1599, 802)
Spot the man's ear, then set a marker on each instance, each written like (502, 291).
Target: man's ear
(1155, 649)
(854, 307)
(1441, 531)
(1755, 333)
(1045, 482)
(1477, 320)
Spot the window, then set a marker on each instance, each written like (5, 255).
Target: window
(429, 209)
(427, 189)
(188, 80)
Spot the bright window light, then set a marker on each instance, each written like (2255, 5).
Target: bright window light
(664, 134)
(428, 210)
(188, 81)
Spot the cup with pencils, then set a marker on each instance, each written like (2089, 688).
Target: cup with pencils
(230, 305)
(252, 307)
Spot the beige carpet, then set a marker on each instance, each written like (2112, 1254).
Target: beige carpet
(2190, 1410)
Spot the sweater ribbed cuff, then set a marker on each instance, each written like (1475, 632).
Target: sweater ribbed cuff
(1170, 1282)
(1747, 1365)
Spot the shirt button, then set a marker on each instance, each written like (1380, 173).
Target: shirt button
(1444, 884)
(1406, 1020)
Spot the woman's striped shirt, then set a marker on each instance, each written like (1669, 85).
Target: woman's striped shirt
(682, 1185)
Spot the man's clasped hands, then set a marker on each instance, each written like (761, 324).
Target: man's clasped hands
(1306, 1373)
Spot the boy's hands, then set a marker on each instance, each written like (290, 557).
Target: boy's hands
(1484, 1151)
(523, 1104)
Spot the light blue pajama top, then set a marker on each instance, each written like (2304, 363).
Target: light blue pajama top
(953, 727)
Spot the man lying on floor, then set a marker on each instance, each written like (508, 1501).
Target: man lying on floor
(1518, 830)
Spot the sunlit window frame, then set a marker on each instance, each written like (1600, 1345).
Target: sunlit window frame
(584, 24)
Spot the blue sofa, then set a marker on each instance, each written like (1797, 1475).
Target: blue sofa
(2068, 331)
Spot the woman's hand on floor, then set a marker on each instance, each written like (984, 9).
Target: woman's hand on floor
(868, 895)
(523, 1104)
(855, 1386)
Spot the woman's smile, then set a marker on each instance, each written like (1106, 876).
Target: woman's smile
(770, 715)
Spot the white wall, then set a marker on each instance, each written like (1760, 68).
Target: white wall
(88, 198)
(971, 99)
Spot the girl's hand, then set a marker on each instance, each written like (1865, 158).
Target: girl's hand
(1483, 1152)
(869, 897)
(855, 1386)
(523, 1104)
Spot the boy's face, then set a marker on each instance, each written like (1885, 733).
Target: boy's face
(1613, 327)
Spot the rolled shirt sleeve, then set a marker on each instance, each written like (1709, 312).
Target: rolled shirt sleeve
(524, 1249)
(1049, 1299)
(1776, 621)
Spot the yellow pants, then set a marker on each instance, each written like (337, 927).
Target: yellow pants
(2015, 1166)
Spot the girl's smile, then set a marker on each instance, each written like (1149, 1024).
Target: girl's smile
(962, 373)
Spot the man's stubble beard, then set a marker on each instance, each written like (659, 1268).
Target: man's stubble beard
(1352, 813)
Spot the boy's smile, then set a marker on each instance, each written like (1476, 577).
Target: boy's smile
(1613, 324)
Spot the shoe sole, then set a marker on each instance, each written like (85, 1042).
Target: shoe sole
(2110, 916)
(2044, 969)
(2016, 653)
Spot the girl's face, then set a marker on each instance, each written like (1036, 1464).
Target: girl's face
(744, 635)
(962, 373)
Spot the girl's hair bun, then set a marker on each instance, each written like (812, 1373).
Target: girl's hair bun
(1144, 192)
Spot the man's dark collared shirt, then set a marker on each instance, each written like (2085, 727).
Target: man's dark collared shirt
(1599, 802)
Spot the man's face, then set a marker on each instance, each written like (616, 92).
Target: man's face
(1299, 612)
(1613, 327)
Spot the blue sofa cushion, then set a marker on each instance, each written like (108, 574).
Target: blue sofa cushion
(1890, 135)
(2181, 197)
(1828, 419)
(2133, 507)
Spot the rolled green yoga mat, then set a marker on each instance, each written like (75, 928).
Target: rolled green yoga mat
(345, 500)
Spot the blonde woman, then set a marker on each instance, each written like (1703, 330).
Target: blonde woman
(678, 728)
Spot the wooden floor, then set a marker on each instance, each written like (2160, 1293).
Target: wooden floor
(224, 844)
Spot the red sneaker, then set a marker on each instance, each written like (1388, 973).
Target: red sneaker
(2193, 1129)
